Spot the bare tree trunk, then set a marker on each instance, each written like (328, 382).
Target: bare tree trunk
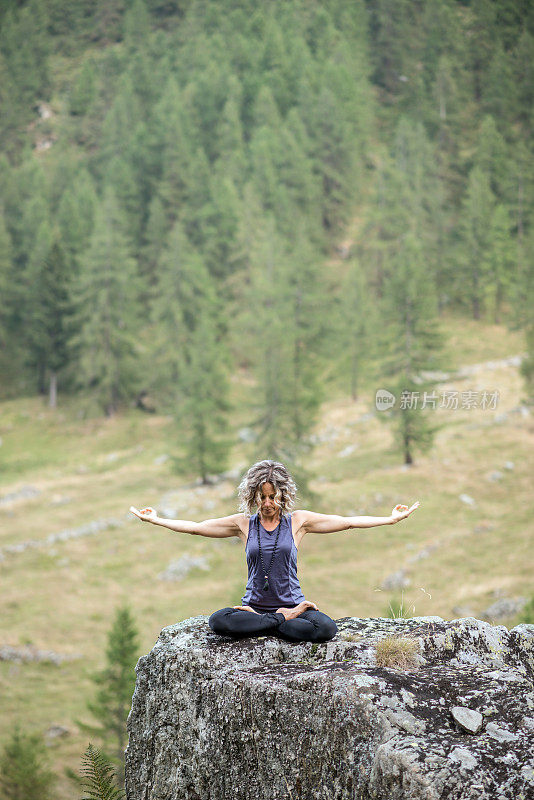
(52, 401)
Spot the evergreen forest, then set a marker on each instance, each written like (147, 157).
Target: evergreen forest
(224, 225)
(195, 192)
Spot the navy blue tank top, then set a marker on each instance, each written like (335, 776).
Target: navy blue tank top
(284, 588)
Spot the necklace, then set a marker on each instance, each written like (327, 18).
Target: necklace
(266, 572)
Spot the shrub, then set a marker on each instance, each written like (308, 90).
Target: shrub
(24, 772)
(526, 616)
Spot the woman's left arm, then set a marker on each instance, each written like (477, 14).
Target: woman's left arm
(311, 522)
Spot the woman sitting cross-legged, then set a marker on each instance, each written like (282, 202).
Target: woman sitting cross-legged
(273, 602)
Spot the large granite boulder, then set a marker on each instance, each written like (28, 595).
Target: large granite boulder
(219, 719)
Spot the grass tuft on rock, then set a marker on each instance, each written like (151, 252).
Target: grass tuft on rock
(397, 652)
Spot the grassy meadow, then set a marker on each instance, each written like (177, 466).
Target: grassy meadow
(63, 596)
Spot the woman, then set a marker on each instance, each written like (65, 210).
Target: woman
(273, 602)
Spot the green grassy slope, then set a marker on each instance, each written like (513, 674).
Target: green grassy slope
(62, 596)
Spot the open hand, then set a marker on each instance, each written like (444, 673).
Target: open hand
(293, 613)
(401, 512)
(146, 514)
(245, 608)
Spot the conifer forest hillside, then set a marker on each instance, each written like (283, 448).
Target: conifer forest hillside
(231, 230)
(297, 190)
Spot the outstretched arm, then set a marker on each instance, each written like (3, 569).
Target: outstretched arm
(311, 522)
(213, 528)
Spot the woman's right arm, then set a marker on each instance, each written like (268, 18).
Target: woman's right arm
(219, 528)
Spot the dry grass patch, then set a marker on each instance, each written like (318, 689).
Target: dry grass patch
(397, 652)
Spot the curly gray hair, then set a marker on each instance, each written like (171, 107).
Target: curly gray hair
(249, 491)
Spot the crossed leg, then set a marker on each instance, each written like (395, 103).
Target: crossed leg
(237, 622)
(310, 626)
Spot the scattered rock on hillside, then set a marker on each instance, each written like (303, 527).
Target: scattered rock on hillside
(523, 411)
(231, 474)
(470, 369)
(496, 476)
(422, 554)
(25, 493)
(504, 608)
(89, 529)
(397, 580)
(365, 731)
(178, 570)
(483, 527)
(462, 611)
(60, 500)
(44, 110)
(57, 732)
(468, 500)
(30, 654)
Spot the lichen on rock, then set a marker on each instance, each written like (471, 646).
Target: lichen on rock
(215, 718)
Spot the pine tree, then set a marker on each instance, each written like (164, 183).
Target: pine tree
(25, 44)
(24, 770)
(108, 312)
(202, 414)
(412, 343)
(75, 217)
(522, 211)
(47, 332)
(356, 326)
(108, 20)
(83, 91)
(482, 33)
(154, 239)
(116, 683)
(499, 93)
(527, 288)
(119, 124)
(189, 357)
(501, 260)
(395, 34)
(523, 67)
(475, 229)
(221, 219)
(283, 315)
(181, 283)
(230, 137)
(408, 196)
(136, 26)
(172, 134)
(6, 278)
(33, 274)
(13, 354)
(493, 159)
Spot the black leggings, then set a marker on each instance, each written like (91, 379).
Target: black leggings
(310, 626)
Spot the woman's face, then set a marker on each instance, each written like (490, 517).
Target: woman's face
(267, 507)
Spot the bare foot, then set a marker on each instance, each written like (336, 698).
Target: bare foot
(245, 608)
(293, 613)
